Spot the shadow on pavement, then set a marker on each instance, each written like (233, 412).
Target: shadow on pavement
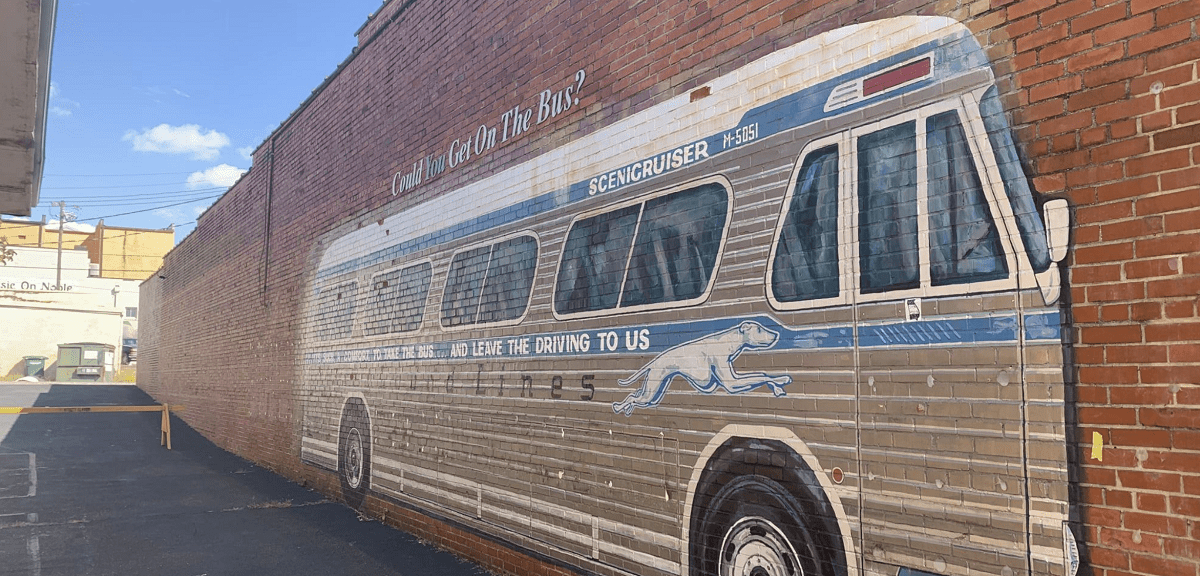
(95, 493)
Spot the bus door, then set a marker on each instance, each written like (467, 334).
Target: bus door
(938, 348)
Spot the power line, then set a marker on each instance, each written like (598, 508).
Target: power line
(47, 268)
(51, 232)
(141, 202)
(118, 175)
(146, 210)
(109, 187)
(144, 194)
(133, 232)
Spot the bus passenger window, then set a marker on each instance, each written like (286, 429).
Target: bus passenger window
(887, 205)
(460, 301)
(676, 247)
(397, 301)
(593, 263)
(806, 258)
(490, 283)
(509, 280)
(963, 240)
(335, 311)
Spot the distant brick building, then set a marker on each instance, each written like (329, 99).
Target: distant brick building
(117, 252)
(130, 253)
(35, 234)
(466, 115)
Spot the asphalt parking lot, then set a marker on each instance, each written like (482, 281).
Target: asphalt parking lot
(94, 493)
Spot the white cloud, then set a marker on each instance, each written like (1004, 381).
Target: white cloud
(161, 91)
(222, 175)
(71, 227)
(186, 139)
(172, 215)
(247, 152)
(60, 106)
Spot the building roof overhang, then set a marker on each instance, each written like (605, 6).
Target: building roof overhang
(26, 42)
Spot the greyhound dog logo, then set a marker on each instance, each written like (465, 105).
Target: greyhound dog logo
(707, 364)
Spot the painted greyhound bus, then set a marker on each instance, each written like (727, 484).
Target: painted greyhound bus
(803, 320)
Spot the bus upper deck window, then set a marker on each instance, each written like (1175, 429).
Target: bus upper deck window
(806, 257)
(490, 283)
(671, 259)
(397, 302)
(887, 204)
(963, 240)
(1033, 231)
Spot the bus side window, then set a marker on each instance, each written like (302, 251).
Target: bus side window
(397, 301)
(674, 254)
(887, 205)
(676, 246)
(490, 283)
(963, 240)
(460, 302)
(509, 280)
(806, 258)
(335, 311)
(593, 264)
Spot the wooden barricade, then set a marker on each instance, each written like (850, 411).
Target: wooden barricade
(165, 409)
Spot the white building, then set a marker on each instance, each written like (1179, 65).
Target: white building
(39, 311)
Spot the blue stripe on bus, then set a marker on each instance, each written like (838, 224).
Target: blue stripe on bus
(914, 572)
(1043, 326)
(656, 338)
(953, 55)
(505, 215)
(958, 331)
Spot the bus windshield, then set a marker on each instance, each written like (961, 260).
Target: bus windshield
(1033, 231)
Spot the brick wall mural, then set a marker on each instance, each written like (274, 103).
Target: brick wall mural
(810, 325)
(804, 290)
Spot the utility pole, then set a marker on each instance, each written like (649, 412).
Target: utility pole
(61, 214)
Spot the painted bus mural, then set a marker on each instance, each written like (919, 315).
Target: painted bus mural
(804, 320)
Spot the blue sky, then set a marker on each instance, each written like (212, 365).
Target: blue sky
(155, 106)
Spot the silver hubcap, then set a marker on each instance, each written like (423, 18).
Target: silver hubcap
(354, 458)
(756, 547)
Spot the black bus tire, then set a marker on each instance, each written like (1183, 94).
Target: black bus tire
(354, 452)
(758, 511)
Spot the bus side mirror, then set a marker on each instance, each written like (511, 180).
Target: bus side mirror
(1057, 214)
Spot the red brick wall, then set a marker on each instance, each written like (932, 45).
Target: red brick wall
(1082, 82)
(1107, 96)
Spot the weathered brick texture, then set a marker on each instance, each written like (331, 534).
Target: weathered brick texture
(1105, 99)
(1107, 93)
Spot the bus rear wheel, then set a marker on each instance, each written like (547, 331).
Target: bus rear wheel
(354, 452)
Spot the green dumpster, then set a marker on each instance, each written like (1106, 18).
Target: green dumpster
(35, 366)
(85, 362)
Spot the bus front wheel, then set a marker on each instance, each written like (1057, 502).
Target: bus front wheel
(758, 512)
(354, 452)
